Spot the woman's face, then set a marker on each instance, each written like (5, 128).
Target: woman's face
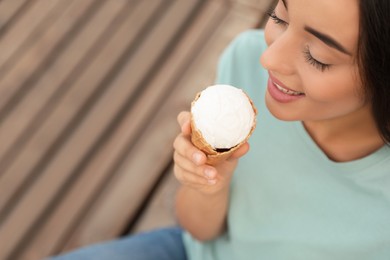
(311, 60)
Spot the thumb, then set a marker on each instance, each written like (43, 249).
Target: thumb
(184, 120)
(240, 152)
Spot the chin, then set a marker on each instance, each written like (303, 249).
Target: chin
(280, 112)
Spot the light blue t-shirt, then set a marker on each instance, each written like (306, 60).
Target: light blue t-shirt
(288, 200)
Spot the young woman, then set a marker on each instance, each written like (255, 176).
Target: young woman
(315, 183)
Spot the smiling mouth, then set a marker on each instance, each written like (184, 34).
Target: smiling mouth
(288, 91)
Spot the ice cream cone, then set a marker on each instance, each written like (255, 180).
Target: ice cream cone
(214, 156)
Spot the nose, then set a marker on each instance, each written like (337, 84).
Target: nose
(280, 56)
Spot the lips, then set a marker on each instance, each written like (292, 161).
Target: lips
(280, 86)
(288, 91)
(280, 93)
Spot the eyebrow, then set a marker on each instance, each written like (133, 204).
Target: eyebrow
(327, 40)
(323, 37)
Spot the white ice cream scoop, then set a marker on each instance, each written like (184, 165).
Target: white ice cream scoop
(224, 116)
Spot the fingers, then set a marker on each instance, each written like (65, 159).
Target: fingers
(189, 173)
(190, 163)
(186, 164)
(185, 148)
(204, 171)
(190, 179)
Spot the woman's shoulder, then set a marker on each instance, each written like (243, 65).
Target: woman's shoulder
(252, 37)
(250, 42)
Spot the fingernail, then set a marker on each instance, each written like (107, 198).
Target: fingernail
(197, 158)
(184, 127)
(209, 173)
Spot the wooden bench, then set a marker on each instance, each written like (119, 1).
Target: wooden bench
(89, 93)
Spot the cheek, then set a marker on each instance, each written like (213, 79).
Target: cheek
(342, 85)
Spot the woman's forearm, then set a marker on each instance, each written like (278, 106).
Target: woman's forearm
(202, 215)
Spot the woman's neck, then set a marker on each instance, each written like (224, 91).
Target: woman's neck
(346, 139)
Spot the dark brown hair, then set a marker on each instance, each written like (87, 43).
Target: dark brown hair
(374, 59)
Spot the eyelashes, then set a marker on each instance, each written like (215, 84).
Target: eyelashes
(276, 19)
(306, 52)
(317, 64)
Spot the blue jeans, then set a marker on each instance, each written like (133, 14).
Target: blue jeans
(161, 244)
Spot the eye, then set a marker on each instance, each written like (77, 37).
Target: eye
(312, 61)
(276, 19)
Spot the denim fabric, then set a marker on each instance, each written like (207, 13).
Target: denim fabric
(161, 244)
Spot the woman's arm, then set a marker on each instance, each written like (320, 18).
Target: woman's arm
(202, 215)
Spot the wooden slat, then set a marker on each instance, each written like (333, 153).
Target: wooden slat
(68, 211)
(41, 149)
(92, 127)
(23, 213)
(27, 72)
(29, 115)
(14, 39)
(11, 178)
(161, 210)
(9, 10)
(25, 116)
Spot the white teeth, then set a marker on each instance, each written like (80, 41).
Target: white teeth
(287, 91)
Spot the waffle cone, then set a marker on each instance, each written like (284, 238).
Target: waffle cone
(214, 157)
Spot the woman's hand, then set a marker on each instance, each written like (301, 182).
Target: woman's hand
(190, 163)
(204, 193)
